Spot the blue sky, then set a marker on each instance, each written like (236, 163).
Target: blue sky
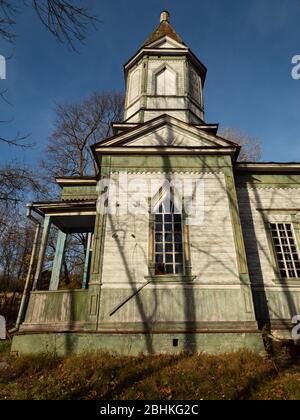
(247, 47)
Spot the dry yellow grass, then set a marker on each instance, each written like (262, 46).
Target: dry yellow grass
(236, 376)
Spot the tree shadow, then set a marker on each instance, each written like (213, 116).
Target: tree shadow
(256, 248)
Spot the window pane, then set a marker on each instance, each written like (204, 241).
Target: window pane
(169, 247)
(158, 237)
(169, 269)
(178, 258)
(158, 228)
(177, 237)
(169, 258)
(159, 258)
(168, 237)
(177, 227)
(159, 247)
(178, 247)
(168, 228)
(158, 218)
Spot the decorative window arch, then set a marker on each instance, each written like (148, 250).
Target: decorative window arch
(165, 81)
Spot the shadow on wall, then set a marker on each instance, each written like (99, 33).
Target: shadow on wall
(188, 292)
(255, 247)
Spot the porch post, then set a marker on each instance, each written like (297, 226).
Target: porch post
(87, 263)
(39, 267)
(58, 258)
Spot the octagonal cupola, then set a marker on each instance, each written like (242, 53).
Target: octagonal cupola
(164, 77)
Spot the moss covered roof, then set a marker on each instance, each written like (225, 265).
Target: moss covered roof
(164, 29)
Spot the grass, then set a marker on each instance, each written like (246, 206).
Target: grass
(236, 376)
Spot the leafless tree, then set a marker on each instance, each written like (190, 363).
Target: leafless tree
(16, 182)
(66, 20)
(251, 146)
(77, 126)
(8, 11)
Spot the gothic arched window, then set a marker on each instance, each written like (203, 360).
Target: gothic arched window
(168, 240)
(165, 82)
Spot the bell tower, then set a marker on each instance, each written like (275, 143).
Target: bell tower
(164, 77)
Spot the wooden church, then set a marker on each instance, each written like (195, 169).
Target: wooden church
(161, 280)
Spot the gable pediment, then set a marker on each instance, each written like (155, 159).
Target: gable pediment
(166, 132)
(170, 136)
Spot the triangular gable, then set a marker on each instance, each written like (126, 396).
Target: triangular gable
(166, 42)
(169, 135)
(166, 131)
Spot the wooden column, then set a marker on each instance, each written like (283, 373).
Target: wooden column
(43, 245)
(87, 264)
(57, 263)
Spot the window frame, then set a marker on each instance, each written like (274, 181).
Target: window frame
(164, 253)
(283, 252)
(186, 276)
(295, 232)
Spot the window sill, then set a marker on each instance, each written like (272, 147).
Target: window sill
(171, 279)
(287, 282)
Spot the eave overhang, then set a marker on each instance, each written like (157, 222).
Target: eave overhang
(268, 167)
(74, 181)
(162, 150)
(64, 208)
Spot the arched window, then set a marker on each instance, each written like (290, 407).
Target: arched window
(166, 82)
(169, 259)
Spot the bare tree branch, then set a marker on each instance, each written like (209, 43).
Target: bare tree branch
(251, 146)
(65, 20)
(16, 182)
(77, 126)
(8, 11)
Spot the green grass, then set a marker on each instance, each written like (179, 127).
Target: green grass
(235, 376)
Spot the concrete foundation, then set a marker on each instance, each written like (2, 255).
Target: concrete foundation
(135, 344)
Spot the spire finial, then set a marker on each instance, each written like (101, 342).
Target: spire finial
(165, 16)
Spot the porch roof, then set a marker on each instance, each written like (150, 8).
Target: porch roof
(70, 217)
